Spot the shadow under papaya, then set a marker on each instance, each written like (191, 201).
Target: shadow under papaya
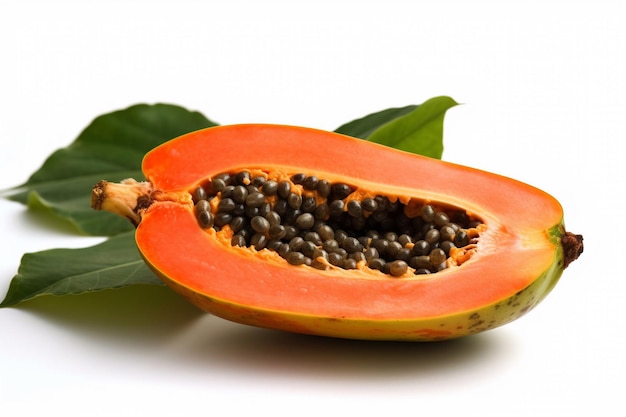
(143, 317)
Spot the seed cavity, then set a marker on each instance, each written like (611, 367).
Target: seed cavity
(311, 221)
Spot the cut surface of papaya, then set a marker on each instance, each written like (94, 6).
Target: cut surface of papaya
(508, 248)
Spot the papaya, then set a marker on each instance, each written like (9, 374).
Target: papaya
(314, 232)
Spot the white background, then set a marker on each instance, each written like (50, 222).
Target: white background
(543, 87)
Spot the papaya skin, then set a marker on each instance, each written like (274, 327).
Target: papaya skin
(520, 256)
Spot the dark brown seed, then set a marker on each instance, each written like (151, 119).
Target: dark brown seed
(308, 248)
(238, 240)
(428, 213)
(251, 211)
(255, 199)
(391, 236)
(432, 236)
(277, 231)
(258, 240)
(382, 202)
(243, 178)
(310, 182)
(298, 178)
(265, 208)
(447, 233)
(198, 194)
(317, 264)
(335, 259)
(291, 216)
(227, 191)
(296, 258)
(354, 208)
(280, 207)
(323, 188)
(217, 185)
(260, 224)
(305, 221)
(273, 217)
(274, 244)
(371, 253)
(319, 253)
(238, 223)
(284, 189)
(381, 246)
(349, 263)
(313, 237)
(308, 204)
(284, 250)
(421, 247)
(202, 205)
(336, 208)
(365, 241)
(403, 254)
(369, 204)
(269, 188)
(441, 219)
(226, 205)
(296, 243)
(222, 219)
(376, 263)
(352, 244)
(405, 239)
(418, 262)
(437, 256)
(205, 218)
(290, 232)
(326, 232)
(397, 268)
(294, 200)
(446, 245)
(322, 212)
(330, 245)
(239, 194)
(340, 236)
(258, 181)
(357, 256)
(239, 210)
(393, 249)
(341, 190)
(246, 232)
(461, 239)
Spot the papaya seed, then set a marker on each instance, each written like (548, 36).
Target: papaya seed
(308, 220)
(398, 268)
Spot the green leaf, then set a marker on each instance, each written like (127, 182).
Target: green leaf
(419, 131)
(110, 148)
(362, 128)
(114, 263)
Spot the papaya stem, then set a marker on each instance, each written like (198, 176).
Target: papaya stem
(126, 199)
(572, 247)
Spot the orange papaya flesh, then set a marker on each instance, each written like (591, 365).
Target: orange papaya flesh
(520, 255)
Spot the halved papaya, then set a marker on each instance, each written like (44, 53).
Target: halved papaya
(517, 246)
